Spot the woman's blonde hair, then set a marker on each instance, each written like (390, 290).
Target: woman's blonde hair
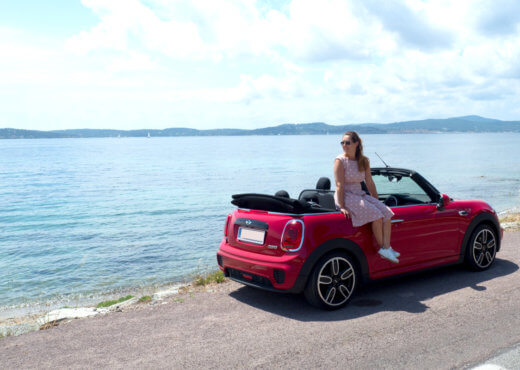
(362, 161)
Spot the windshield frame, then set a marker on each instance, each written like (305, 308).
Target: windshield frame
(424, 184)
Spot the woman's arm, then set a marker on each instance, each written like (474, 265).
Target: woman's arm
(339, 177)
(370, 183)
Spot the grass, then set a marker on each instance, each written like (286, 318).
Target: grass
(114, 301)
(212, 277)
(145, 299)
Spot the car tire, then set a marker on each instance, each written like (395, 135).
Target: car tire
(481, 248)
(333, 281)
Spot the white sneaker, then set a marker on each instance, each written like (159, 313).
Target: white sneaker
(396, 253)
(386, 253)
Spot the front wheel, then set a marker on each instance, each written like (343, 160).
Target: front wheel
(332, 282)
(481, 248)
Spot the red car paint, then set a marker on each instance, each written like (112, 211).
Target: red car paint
(426, 235)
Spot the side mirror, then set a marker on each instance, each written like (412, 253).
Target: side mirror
(443, 201)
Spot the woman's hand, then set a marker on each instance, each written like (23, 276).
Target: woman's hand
(345, 212)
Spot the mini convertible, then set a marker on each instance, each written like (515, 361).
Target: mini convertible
(282, 244)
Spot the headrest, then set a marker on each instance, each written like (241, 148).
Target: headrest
(282, 193)
(323, 183)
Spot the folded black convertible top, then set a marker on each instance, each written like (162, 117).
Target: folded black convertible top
(272, 203)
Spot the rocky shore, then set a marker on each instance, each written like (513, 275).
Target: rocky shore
(40, 321)
(510, 220)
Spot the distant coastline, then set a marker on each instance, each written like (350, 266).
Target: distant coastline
(433, 126)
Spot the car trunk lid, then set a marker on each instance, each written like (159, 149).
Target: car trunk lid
(258, 231)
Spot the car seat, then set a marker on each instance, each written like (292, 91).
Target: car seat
(282, 193)
(322, 195)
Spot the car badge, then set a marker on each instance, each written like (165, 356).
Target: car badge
(248, 222)
(272, 246)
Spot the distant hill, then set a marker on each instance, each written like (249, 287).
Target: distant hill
(456, 124)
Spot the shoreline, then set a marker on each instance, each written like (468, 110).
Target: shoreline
(89, 299)
(510, 219)
(31, 318)
(21, 324)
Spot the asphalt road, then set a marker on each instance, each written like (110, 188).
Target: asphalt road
(447, 318)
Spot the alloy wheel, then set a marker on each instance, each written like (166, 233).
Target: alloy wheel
(336, 281)
(484, 248)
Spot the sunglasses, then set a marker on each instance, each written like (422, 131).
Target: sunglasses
(346, 142)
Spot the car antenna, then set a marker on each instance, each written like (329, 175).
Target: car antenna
(387, 166)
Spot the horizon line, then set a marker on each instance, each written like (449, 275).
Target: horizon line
(260, 128)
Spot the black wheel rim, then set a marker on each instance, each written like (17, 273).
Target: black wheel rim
(484, 248)
(336, 281)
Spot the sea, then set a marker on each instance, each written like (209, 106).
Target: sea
(84, 219)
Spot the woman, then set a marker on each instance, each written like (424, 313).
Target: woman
(350, 169)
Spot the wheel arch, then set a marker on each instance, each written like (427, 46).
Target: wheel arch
(342, 245)
(483, 218)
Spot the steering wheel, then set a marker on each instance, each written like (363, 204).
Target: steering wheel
(391, 201)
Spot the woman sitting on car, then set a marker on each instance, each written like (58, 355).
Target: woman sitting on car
(350, 169)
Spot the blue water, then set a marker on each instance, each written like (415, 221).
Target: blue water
(83, 217)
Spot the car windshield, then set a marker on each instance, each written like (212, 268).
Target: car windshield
(403, 186)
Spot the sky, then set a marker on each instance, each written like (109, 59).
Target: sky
(154, 64)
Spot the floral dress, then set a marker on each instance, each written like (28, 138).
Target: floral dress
(363, 208)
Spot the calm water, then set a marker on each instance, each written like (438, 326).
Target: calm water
(83, 217)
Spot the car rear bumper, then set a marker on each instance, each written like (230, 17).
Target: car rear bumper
(274, 273)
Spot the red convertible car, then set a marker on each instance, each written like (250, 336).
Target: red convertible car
(305, 245)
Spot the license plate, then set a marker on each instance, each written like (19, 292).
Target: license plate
(251, 235)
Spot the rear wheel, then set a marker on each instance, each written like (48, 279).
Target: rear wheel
(332, 282)
(481, 248)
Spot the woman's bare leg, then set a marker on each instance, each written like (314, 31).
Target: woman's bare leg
(387, 232)
(377, 229)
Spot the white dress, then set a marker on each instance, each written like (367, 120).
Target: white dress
(363, 208)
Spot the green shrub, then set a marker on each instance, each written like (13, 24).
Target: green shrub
(114, 301)
(211, 277)
(217, 276)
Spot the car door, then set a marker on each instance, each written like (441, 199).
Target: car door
(420, 231)
(423, 233)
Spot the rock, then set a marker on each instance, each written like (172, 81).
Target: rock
(66, 313)
(117, 306)
(166, 293)
(510, 225)
(14, 330)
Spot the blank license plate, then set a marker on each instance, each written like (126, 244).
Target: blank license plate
(251, 235)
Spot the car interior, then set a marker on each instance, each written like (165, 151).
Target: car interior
(399, 190)
(322, 196)
(394, 189)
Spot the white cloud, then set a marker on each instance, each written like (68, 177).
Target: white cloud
(133, 62)
(240, 63)
(499, 18)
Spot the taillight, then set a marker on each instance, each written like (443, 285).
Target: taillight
(227, 225)
(292, 236)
